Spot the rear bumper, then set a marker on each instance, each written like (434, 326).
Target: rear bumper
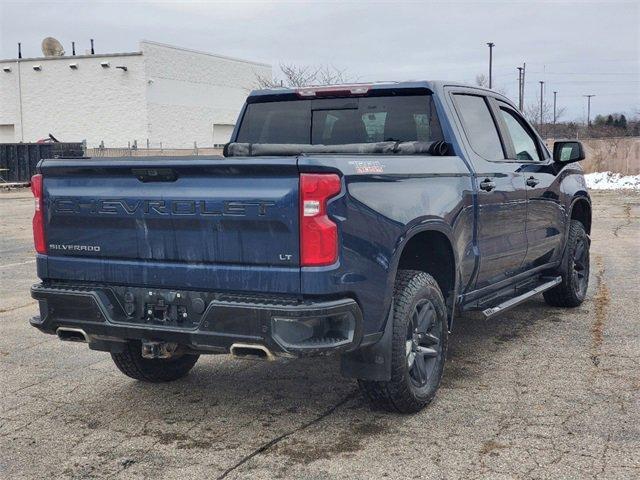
(212, 322)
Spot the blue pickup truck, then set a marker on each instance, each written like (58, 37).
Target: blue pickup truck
(356, 220)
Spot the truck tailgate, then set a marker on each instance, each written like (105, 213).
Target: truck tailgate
(206, 214)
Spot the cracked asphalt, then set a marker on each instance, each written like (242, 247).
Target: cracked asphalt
(539, 393)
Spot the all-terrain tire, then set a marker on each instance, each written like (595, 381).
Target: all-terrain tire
(574, 270)
(403, 392)
(131, 363)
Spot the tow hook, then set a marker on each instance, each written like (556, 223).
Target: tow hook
(158, 349)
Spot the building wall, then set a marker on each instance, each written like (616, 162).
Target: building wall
(7, 133)
(189, 92)
(168, 95)
(9, 105)
(90, 103)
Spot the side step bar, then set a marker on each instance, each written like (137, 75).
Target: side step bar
(512, 302)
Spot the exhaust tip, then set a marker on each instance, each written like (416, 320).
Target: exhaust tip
(67, 334)
(251, 352)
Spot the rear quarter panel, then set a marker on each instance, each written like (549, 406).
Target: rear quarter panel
(385, 201)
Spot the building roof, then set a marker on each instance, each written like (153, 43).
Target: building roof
(223, 57)
(125, 54)
(69, 57)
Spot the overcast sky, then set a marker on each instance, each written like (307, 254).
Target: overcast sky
(578, 48)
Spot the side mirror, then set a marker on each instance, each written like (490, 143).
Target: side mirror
(568, 151)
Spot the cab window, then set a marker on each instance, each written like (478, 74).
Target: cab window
(400, 118)
(479, 127)
(524, 143)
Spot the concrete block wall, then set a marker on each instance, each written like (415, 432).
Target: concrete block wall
(167, 94)
(188, 92)
(89, 103)
(9, 106)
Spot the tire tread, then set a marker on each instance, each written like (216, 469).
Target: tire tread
(394, 395)
(563, 295)
(131, 363)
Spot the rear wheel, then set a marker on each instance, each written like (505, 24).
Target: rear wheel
(131, 363)
(574, 270)
(419, 346)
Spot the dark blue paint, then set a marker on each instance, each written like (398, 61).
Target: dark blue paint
(494, 235)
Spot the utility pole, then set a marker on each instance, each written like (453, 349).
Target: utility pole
(588, 109)
(490, 44)
(519, 88)
(524, 71)
(541, 97)
(554, 106)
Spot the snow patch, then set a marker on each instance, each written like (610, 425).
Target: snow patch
(612, 181)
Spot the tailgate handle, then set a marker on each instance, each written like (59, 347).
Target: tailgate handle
(155, 174)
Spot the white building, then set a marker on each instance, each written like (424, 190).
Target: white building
(158, 94)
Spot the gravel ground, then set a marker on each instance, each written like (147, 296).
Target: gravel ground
(538, 393)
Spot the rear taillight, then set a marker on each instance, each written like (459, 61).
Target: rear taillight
(38, 215)
(318, 234)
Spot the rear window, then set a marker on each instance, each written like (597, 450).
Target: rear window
(335, 121)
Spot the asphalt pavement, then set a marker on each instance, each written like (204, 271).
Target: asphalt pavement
(540, 392)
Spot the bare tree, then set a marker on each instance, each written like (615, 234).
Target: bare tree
(532, 112)
(330, 75)
(291, 75)
(482, 80)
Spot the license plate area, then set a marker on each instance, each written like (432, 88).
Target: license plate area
(159, 307)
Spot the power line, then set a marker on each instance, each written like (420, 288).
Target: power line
(607, 60)
(617, 94)
(596, 81)
(589, 73)
(573, 73)
(595, 61)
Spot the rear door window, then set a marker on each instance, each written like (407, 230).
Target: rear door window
(338, 122)
(479, 126)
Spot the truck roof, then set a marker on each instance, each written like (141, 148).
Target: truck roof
(432, 85)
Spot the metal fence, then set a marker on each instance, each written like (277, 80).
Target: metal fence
(151, 152)
(18, 160)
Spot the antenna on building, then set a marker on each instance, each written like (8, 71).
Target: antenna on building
(73, 48)
(92, 51)
(52, 47)
(19, 50)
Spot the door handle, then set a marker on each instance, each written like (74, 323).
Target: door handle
(532, 181)
(487, 185)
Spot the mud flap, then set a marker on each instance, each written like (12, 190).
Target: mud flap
(374, 361)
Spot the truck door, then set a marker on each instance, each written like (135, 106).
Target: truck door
(545, 213)
(502, 202)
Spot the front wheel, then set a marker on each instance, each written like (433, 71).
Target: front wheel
(419, 346)
(574, 270)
